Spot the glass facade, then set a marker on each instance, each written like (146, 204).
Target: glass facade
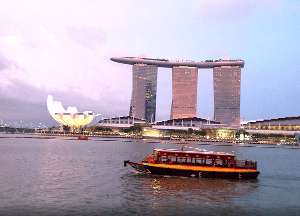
(184, 92)
(144, 86)
(227, 92)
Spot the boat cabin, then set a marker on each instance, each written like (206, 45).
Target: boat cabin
(198, 158)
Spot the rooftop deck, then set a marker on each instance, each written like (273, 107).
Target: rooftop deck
(170, 64)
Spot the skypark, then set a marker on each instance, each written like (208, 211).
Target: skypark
(226, 82)
(170, 64)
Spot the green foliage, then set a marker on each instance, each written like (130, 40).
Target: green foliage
(135, 128)
(201, 132)
(103, 129)
(66, 128)
(51, 128)
(259, 135)
(126, 130)
(239, 132)
(246, 133)
(180, 131)
(190, 131)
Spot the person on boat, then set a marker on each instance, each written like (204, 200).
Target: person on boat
(215, 164)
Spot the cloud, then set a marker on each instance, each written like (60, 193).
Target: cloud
(50, 59)
(5, 63)
(69, 49)
(49, 36)
(233, 10)
(20, 100)
(87, 36)
(63, 48)
(70, 63)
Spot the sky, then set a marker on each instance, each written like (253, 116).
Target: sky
(63, 49)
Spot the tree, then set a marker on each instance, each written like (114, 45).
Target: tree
(103, 129)
(51, 128)
(138, 128)
(126, 130)
(66, 128)
(135, 128)
(203, 132)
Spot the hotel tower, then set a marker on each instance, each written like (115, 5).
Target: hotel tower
(227, 92)
(143, 97)
(226, 80)
(184, 92)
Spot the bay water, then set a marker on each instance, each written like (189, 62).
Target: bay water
(66, 176)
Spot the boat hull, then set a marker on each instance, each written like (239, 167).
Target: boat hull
(197, 172)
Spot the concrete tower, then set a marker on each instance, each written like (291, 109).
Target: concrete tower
(144, 86)
(227, 93)
(227, 87)
(184, 92)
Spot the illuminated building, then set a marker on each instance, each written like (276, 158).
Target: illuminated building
(144, 86)
(70, 117)
(290, 124)
(227, 92)
(184, 92)
(227, 85)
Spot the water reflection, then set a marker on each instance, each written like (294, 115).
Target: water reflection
(166, 194)
(62, 175)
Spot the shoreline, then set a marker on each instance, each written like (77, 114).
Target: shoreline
(156, 139)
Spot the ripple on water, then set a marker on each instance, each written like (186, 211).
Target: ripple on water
(69, 177)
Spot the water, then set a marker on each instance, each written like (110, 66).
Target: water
(64, 176)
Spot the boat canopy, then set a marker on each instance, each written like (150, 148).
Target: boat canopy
(201, 153)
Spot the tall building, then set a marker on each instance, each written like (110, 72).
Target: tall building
(227, 92)
(184, 92)
(227, 87)
(144, 86)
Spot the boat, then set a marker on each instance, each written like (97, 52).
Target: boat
(198, 163)
(83, 137)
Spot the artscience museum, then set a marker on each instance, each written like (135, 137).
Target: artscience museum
(70, 117)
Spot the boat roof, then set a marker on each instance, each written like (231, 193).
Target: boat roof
(194, 152)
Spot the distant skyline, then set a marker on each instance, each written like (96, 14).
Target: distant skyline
(63, 49)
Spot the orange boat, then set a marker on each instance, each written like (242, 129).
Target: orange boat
(199, 163)
(83, 137)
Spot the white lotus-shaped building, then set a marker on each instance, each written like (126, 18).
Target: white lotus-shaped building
(71, 117)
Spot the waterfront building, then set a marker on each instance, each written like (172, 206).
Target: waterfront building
(70, 117)
(227, 92)
(143, 97)
(186, 123)
(284, 123)
(184, 92)
(121, 121)
(227, 85)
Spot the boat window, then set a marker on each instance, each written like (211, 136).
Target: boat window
(187, 159)
(208, 162)
(175, 159)
(165, 159)
(228, 163)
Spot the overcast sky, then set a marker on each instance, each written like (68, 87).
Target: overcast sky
(62, 48)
